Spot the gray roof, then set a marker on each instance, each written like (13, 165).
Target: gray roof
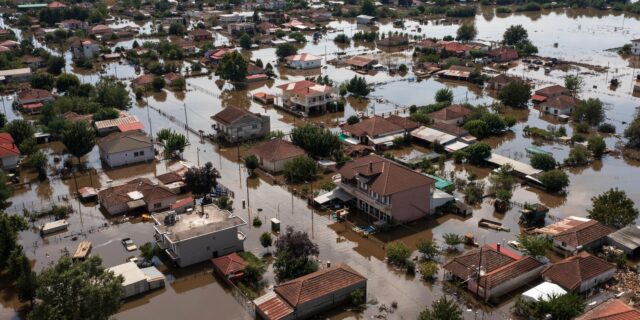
(197, 224)
(125, 141)
(628, 237)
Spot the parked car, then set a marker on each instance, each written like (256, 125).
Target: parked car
(128, 244)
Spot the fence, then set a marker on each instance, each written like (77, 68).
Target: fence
(37, 207)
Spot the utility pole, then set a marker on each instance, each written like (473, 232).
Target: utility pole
(146, 99)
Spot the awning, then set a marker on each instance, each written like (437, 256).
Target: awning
(455, 146)
(538, 98)
(333, 194)
(386, 139)
(135, 204)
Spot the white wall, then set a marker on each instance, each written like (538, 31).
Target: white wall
(127, 157)
(9, 163)
(202, 248)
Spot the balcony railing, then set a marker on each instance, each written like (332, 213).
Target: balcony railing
(364, 196)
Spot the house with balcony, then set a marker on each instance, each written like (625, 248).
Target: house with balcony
(238, 124)
(306, 97)
(205, 233)
(386, 190)
(378, 131)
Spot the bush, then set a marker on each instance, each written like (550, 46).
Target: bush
(607, 128)
(353, 120)
(578, 156)
(398, 253)
(257, 222)
(554, 180)
(444, 95)
(300, 169)
(357, 297)
(477, 152)
(342, 38)
(428, 270)
(543, 161)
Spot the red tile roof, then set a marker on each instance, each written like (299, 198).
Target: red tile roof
(386, 177)
(119, 194)
(561, 102)
(302, 57)
(143, 80)
(34, 94)
(277, 149)
(509, 272)
(275, 308)
(229, 265)
(404, 122)
(134, 126)
(491, 260)
(182, 203)
(573, 271)
(318, 284)
(305, 87)
(8, 148)
(611, 310)
(169, 177)
(584, 233)
(553, 90)
(56, 4)
(450, 113)
(218, 54)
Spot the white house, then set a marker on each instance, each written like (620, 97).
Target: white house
(560, 105)
(206, 233)
(124, 148)
(137, 281)
(85, 48)
(303, 61)
(366, 20)
(9, 153)
(306, 97)
(635, 47)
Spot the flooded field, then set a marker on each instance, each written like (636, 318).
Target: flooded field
(582, 36)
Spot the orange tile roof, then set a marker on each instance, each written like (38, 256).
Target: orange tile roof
(611, 310)
(372, 127)
(584, 233)
(318, 284)
(277, 149)
(573, 271)
(229, 265)
(7, 147)
(230, 114)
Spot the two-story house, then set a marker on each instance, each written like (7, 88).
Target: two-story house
(378, 131)
(635, 47)
(84, 49)
(206, 233)
(306, 96)
(386, 190)
(237, 124)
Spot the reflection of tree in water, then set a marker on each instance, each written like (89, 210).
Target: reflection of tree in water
(235, 98)
(254, 182)
(358, 104)
(547, 199)
(160, 96)
(179, 95)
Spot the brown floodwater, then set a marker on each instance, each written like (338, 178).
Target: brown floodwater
(582, 36)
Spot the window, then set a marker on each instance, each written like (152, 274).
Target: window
(142, 153)
(135, 154)
(254, 126)
(157, 205)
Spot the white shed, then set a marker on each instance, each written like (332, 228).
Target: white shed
(543, 291)
(135, 281)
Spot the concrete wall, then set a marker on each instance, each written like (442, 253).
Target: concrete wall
(9, 163)
(205, 247)
(246, 128)
(555, 111)
(273, 166)
(329, 301)
(305, 64)
(411, 204)
(127, 157)
(163, 204)
(586, 285)
(116, 209)
(136, 288)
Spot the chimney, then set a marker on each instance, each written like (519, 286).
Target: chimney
(328, 264)
(498, 247)
(370, 166)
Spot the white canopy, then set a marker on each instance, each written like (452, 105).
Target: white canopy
(543, 291)
(336, 193)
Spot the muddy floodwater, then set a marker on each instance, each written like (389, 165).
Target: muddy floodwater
(582, 36)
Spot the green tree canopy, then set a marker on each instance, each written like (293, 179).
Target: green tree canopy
(300, 169)
(77, 290)
(284, 50)
(233, 67)
(442, 309)
(554, 180)
(515, 94)
(245, 41)
(467, 31)
(317, 141)
(368, 8)
(111, 93)
(200, 181)
(67, 81)
(543, 161)
(444, 95)
(20, 130)
(477, 152)
(589, 111)
(294, 252)
(79, 139)
(632, 133)
(613, 208)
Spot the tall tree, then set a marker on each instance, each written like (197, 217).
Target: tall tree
(589, 111)
(574, 83)
(515, 94)
(632, 132)
(200, 181)
(284, 50)
(20, 130)
(5, 191)
(77, 290)
(368, 8)
(444, 95)
(233, 67)
(114, 94)
(79, 139)
(467, 31)
(317, 141)
(613, 208)
(10, 225)
(294, 252)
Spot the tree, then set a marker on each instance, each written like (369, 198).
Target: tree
(474, 192)
(38, 160)
(300, 169)
(10, 225)
(515, 35)
(266, 240)
(67, 81)
(158, 83)
(20, 130)
(428, 248)
(177, 28)
(368, 8)
(105, 114)
(632, 132)
(358, 86)
(398, 253)
(466, 32)
(543, 161)
(294, 253)
(342, 39)
(578, 156)
(174, 145)
(254, 269)
(613, 208)
(5, 194)
(42, 80)
(245, 41)
(55, 64)
(79, 139)
(428, 270)
(353, 120)
(477, 128)
(444, 95)
(502, 182)
(574, 83)
(563, 307)
(453, 241)
(284, 50)
(535, 245)
(515, 94)
(200, 181)
(251, 162)
(148, 251)
(233, 67)
(111, 93)
(77, 290)
(597, 146)
(589, 111)
(554, 180)
(477, 152)
(442, 309)
(317, 141)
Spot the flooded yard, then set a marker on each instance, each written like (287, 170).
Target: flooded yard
(582, 36)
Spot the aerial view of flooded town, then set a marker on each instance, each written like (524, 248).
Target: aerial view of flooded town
(319, 159)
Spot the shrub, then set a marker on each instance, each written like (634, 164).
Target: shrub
(257, 222)
(398, 253)
(554, 180)
(428, 270)
(607, 128)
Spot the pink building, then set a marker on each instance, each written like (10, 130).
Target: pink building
(387, 190)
